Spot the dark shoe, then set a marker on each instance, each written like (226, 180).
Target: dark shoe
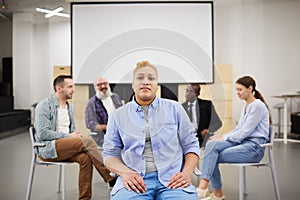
(112, 182)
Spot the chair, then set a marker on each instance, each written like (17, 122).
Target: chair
(36, 161)
(242, 168)
(268, 163)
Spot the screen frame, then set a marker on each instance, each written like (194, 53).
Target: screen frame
(150, 2)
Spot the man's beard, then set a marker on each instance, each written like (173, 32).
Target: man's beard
(101, 95)
(69, 96)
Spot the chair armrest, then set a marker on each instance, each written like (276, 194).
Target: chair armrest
(93, 133)
(266, 145)
(39, 144)
(197, 172)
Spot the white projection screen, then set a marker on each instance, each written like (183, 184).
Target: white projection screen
(109, 38)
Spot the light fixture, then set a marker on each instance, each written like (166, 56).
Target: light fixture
(55, 12)
(4, 5)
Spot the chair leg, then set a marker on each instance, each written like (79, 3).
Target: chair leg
(274, 176)
(245, 181)
(279, 121)
(241, 182)
(30, 178)
(59, 178)
(63, 182)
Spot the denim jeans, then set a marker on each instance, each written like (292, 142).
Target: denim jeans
(219, 151)
(155, 191)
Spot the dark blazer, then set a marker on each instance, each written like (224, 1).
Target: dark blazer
(208, 116)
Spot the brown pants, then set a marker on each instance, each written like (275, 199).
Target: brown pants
(83, 151)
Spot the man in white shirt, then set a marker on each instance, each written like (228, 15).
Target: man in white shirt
(55, 127)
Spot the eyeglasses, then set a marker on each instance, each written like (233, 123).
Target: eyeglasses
(104, 83)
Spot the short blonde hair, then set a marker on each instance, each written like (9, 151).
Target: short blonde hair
(142, 64)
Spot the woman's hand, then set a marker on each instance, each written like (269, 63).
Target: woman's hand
(180, 179)
(134, 181)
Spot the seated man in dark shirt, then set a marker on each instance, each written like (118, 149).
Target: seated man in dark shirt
(99, 106)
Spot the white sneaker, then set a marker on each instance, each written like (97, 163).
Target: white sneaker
(202, 193)
(213, 197)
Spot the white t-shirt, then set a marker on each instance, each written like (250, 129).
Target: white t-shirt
(194, 122)
(63, 124)
(108, 104)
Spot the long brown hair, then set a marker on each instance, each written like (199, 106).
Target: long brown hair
(248, 81)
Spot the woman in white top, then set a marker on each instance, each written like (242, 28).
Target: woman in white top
(240, 145)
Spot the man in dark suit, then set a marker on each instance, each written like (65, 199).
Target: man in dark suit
(201, 112)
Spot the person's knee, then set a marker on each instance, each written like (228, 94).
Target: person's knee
(211, 144)
(78, 145)
(87, 141)
(84, 159)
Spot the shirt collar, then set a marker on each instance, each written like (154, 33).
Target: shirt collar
(56, 101)
(194, 102)
(138, 108)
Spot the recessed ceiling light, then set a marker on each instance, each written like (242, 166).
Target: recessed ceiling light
(55, 12)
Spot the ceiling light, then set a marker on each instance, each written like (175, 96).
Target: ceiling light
(55, 12)
(3, 5)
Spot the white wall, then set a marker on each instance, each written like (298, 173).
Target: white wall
(23, 43)
(60, 42)
(41, 71)
(258, 37)
(37, 47)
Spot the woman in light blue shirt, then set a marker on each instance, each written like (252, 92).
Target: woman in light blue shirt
(241, 145)
(151, 144)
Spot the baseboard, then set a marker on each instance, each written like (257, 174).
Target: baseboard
(13, 132)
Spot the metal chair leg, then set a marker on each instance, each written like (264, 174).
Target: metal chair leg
(245, 181)
(241, 182)
(63, 182)
(30, 179)
(59, 178)
(274, 176)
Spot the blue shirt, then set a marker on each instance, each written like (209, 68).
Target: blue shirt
(253, 123)
(172, 137)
